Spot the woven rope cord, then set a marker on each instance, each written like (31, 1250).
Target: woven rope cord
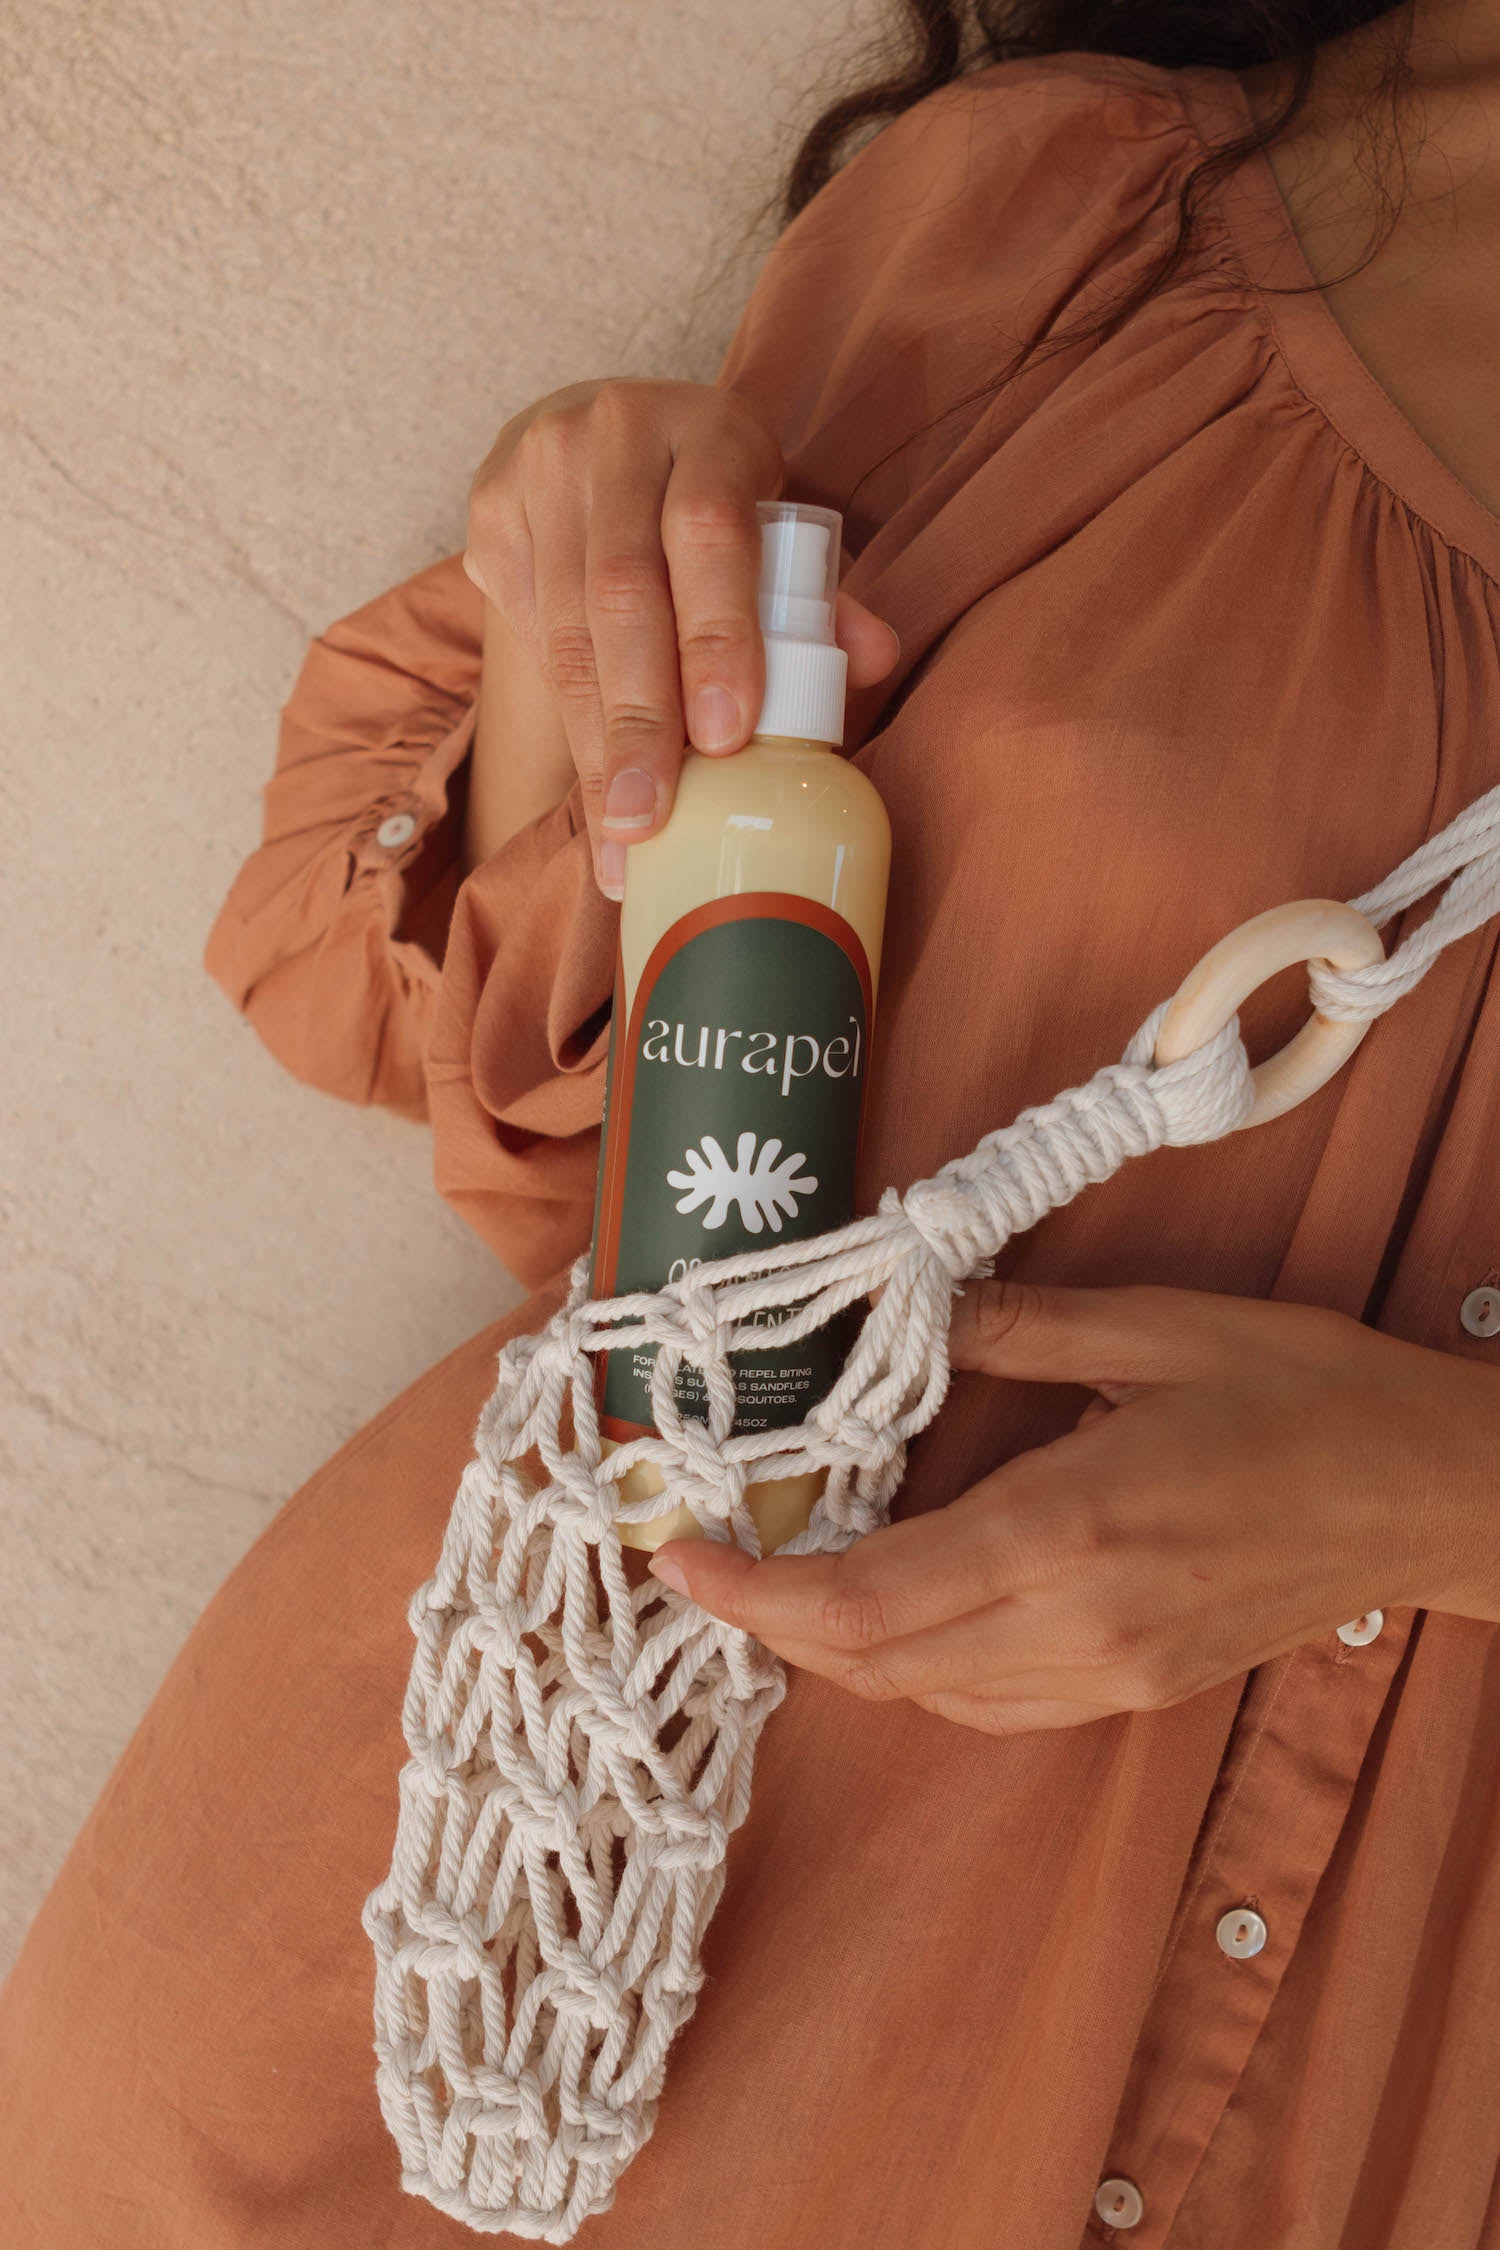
(581, 1749)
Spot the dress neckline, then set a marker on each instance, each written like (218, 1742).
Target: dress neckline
(1322, 361)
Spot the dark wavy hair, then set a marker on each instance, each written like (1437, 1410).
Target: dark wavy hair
(939, 41)
(945, 39)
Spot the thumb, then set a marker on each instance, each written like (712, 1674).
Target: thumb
(708, 1571)
(1113, 1340)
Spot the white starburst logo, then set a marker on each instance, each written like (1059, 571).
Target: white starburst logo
(762, 1188)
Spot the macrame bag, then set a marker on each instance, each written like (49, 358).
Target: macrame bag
(581, 1749)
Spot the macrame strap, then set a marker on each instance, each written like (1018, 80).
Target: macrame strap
(581, 1748)
(1465, 856)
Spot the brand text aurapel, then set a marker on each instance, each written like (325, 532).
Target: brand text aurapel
(785, 1056)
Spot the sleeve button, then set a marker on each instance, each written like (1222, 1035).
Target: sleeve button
(398, 829)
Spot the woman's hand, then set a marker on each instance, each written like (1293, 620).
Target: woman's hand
(612, 526)
(1249, 1477)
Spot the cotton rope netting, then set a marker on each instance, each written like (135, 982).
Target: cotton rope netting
(581, 1749)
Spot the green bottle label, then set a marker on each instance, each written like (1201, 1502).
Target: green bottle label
(732, 1113)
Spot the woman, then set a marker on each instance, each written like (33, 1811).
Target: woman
(1140, 1893)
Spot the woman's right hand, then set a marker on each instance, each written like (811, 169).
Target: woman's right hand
(613, 527)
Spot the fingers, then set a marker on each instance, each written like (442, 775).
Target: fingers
(1025, 1591)
(558, 525)
(954, 1657)
(712, 538)
(872, 647)
(613, 526)
(1015, 1715)
(1113, 1340)
(900, 1580)
(833, 1616)
(634, 715)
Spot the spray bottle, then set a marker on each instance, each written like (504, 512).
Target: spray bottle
(749, 951)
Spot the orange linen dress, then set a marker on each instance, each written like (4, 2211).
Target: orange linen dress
(1193, 622)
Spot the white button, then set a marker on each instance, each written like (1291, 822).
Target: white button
(1360, 1631)
(1119, 2204)
(399, 829)
(1241, 1933)
(1480, 1312)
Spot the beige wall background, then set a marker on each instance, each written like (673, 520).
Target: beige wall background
(274, 273)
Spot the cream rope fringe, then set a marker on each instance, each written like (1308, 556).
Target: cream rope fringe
(581, 1749)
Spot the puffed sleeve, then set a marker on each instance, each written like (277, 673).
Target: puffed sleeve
(1012, 206)
(331, 940)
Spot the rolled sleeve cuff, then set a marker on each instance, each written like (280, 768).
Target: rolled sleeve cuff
(331, 939)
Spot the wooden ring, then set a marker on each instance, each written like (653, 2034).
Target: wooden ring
(1309, 929)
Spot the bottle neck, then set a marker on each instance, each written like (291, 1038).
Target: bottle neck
(805, 689)
(801, 744)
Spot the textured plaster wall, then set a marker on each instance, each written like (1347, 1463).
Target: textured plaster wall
(273, 274)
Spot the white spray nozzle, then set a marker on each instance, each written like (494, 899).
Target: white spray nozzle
(799, 582)
(799, 570)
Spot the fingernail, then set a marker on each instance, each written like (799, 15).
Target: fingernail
(612, 869)
(670, 1573)
(631, 801)
(713, 718)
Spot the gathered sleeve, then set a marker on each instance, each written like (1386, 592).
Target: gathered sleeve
(374, 970)
(1009, 208)
(519, 1045)
(332, 937)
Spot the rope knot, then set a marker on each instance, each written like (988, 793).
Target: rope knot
(514, 2108)
(449, 1944)
(864, 1444)
(703, 1480)
(1204, 1096)
(698, 1853)
(950, 1217)
(592, 1995)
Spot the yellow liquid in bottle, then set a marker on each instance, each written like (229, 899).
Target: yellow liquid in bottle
(780, 816)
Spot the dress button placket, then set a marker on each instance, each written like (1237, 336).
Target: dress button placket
(1119, 2203)
(1300, 1737)
(1240, 1933)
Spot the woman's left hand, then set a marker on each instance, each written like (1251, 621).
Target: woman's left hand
(1249, 1476)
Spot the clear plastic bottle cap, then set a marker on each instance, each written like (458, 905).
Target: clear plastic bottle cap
(799, 569)
(806, 671)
